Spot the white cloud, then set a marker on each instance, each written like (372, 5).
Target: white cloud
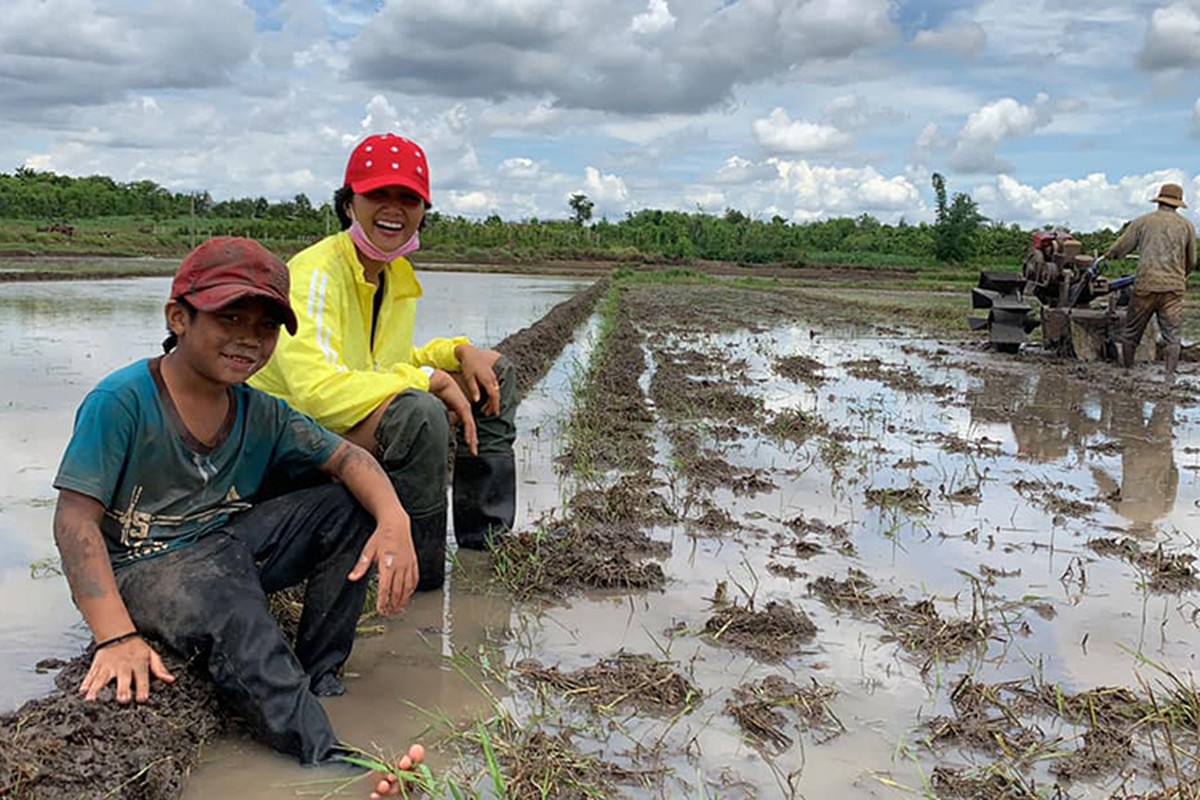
(608, 192)
(739, 171)
(779, 134)
(993, 124)
(657, 17)
(473, 204)
(1089, 203)
(519, 169)
(967, 39)
(1172, 39)
(812, 192)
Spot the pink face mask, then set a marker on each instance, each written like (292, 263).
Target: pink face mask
(368, 248)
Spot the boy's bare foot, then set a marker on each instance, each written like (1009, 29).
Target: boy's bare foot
(388, 785)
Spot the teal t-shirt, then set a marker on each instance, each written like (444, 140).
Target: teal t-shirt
(162, 488)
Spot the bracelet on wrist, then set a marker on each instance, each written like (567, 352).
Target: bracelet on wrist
(117, 640)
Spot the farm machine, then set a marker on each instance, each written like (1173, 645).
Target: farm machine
(1080, 311)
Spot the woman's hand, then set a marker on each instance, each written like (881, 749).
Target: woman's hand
(443, 386)
(477, 367)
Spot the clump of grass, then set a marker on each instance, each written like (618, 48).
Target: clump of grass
(635, 679)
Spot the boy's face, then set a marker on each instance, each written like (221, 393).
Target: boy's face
(230, 344)
(389, 215)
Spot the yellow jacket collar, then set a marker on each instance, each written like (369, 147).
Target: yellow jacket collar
(401, 278)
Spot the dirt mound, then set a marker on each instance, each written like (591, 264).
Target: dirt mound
(62, 746)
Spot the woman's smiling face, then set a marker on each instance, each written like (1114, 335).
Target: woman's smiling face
(389, 215)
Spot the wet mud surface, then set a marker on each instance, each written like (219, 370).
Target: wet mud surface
(803, 554)
(60, 746)
(864, 484)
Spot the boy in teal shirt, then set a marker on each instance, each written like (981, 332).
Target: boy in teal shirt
(161, 537)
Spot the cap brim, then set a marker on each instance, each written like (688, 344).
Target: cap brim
(371, 184)
(217, 297)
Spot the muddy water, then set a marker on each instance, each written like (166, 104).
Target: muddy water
(57, 341)
(1103, 464)
(1109, 466)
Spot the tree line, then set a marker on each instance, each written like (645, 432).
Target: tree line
(958, 234)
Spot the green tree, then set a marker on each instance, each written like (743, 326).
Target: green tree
(957, 224)
(581, 208)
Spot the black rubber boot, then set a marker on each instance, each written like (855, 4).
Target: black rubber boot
(485, 498)
(429, 540)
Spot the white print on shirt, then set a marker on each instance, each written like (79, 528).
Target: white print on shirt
(204, 466)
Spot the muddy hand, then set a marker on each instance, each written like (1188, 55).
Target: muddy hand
(131, 664)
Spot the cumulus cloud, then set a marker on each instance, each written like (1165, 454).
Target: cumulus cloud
(739, 171)
(993, 124)
(1088, 203)
(1172, 39)
(519, 169)
(966, 39)
(589, 55)
(779, 134)
(608, 192)
(816, 192)
(657, 17)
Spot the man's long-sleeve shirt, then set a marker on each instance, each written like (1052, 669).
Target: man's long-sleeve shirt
(1166, 245)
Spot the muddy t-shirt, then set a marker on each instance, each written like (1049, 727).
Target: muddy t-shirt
(162, 488)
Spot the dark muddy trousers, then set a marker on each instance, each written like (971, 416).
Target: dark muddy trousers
(209, 600)
(414, 443)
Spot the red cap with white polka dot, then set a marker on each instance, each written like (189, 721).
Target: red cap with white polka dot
(384, 159)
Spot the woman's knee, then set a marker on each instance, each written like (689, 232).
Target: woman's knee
(415, 421)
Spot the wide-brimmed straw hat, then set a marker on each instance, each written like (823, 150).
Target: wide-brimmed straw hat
(1170, 194)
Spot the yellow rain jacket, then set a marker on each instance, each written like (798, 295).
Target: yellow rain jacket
(329, 370)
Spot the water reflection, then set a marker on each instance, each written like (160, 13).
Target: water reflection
(1054, 417)
(1149, 478)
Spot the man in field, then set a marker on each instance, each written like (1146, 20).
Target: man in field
(1166, 245)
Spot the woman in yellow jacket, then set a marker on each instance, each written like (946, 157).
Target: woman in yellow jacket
(352, 365)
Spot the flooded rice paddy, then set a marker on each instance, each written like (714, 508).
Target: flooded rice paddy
(838, 559)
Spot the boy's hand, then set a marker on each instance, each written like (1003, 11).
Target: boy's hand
(477, 368)
(444, 387)
(390, 548)
(131, 663)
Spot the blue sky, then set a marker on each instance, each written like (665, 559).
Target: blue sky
(1063, 112)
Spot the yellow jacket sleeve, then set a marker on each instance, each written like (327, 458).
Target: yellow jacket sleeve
(324, 370)
(439, 353)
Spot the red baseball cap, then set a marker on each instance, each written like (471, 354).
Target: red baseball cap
(228, 268)
(385, 159)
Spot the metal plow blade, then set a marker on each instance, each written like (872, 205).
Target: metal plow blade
(1010, 319)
